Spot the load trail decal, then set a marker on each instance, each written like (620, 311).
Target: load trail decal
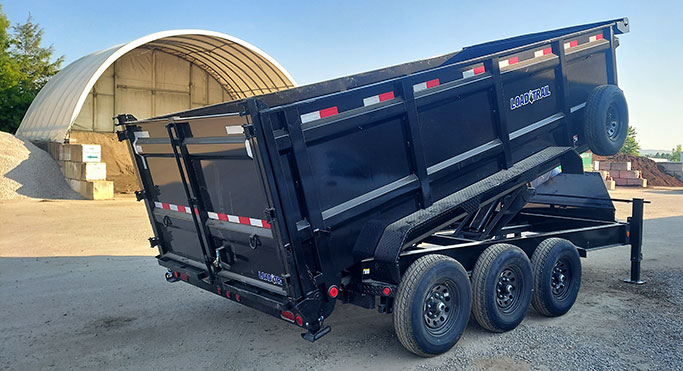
(529, 97)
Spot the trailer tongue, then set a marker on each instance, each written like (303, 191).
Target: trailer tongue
(384, 189)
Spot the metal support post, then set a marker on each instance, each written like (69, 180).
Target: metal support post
(636, 233)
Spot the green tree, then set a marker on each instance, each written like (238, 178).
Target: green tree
(631, 145)
(676, 154)
(25, 67)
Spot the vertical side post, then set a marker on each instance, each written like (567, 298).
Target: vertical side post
(563, 86)
(416, 149)
(501, 110)
(636, 230)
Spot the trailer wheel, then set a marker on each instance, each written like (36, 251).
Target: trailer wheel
(501, 287)
(606, 120)
(557, 276)
(432, 305)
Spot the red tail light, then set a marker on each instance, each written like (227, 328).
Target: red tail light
(287, 315)
(237, 297)
(386, 291)
(333, 292)
(299, 321)
(227, 293)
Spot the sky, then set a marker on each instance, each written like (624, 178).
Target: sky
(320, 40)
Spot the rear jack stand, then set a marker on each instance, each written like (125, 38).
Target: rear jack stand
(313, 336)
(636, 230)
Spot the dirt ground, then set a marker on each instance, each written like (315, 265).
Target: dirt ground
(80, 289)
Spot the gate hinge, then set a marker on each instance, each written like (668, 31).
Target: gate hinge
(322, 232)
(269, 213)
(140, 195)
(153, 242)
(121, 135)
(123, 119)
(249, 131)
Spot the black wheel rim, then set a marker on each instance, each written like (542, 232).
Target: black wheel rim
(561, 279)
(508, 289)
(613, 124)
(440, 307)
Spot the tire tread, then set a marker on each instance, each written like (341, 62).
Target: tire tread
(406, 290)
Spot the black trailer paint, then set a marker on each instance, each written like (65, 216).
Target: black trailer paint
(276, 199)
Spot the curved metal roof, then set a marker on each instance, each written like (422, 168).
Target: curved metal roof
(243, 69)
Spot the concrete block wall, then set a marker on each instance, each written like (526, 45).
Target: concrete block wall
(83, 170)
(674, 169)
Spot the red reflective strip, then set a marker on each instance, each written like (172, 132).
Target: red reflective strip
(265, 224)
(479, 70)
(573, 43)
(547, 51)
(196, 211)
(328, 112)
(223, 217)
(166, 206)
(244, 220)
(598, 37)
(182, 209)
(386, 96)
(512, 60)
(431, 84)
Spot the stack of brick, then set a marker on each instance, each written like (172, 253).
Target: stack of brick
(83, 169)
(619, 173)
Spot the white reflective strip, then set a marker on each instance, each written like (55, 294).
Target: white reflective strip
(567, 45)
(308, 117)
(418, 87)
(232, 130)
(158, 204)
(577, 107)
(138, 148)
(502, 64)
(212, 215)
(375, 99)
(256, 222)
(141, 134)
(234, 219)
(247, 146)
(188, 210)
(174, 207)
(538, 53)
(468, 73)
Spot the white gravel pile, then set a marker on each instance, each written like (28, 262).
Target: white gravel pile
(27, 171)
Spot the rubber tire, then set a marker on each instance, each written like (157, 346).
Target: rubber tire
(543, 261)
(595, 117)
(484, 280)
(408, 318)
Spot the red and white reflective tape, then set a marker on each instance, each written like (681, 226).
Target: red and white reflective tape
(571, 44)
(540, 53)
(317, 115)
(172, 207)
(425, 85)
(595, 38)
(216, 216)
(507, 62)
(474, 71)
(378, 98)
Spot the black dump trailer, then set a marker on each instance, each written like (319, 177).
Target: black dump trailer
(412, 189)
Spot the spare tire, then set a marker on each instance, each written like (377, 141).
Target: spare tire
(606, 120)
